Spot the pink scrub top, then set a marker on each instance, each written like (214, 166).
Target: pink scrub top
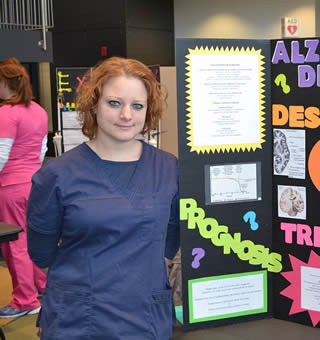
(27, 126)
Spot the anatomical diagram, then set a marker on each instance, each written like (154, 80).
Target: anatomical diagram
(291, 202)
(281, 152)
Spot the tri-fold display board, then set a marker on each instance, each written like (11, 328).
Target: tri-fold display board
(249, 155)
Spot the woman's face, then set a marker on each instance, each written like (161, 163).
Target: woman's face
(121, 110)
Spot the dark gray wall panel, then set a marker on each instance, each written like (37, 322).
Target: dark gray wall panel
(151, 46)
(78, 15)
(83, 48)
(150, 14)
(23, 45)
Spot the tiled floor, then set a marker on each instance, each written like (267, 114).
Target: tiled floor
(267, 329)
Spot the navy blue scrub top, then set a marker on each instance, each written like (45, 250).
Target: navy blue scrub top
(107, 277)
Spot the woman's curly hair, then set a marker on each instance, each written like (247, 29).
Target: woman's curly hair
(90, 92)
(17, 79)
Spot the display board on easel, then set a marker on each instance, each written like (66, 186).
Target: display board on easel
(225, 155)
(296, 181)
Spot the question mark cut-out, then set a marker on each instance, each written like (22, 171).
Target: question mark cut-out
(251, 217)
(199, 254)
(281, 80)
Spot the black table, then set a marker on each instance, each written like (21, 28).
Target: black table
(8, 233)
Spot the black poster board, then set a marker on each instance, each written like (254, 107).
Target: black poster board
(249, 253)
(68, 81)
(296, 181)
(235, 256)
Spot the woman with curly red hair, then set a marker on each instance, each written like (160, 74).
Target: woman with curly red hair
(103, 216)
(23, 143)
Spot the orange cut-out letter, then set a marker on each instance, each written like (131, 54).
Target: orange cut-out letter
(280, 115)
(296, 116)
(312, 117)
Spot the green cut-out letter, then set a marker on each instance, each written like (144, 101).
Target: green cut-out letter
(216, 238)
(203, 227)
(230, 242)
(275, 264)
(187, 206)
(260, 256)
(190, 212)
(245, 255)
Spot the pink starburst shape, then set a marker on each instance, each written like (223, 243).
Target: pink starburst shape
(293, 291)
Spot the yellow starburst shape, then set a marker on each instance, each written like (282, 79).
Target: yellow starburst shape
(222, 53)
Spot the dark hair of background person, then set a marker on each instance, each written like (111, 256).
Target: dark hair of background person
(91, 90)
(17, 79)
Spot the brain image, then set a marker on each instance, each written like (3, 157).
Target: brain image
(281, 151)
(291, 202)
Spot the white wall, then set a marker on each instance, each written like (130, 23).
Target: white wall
(169, 124)
(317, 18)
(241, 19)
(45, 91)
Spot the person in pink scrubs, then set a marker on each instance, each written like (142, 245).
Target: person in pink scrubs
(23, 143)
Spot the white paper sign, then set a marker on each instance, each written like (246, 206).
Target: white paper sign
(290, 27)
(227, 296)
(310, 288)
(225, 99)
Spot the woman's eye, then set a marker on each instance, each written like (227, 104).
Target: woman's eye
(114, 103)
(137, 106)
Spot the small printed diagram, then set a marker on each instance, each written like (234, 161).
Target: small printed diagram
(281, 151)
(292, 202)
(230, 183)
(289, 153)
